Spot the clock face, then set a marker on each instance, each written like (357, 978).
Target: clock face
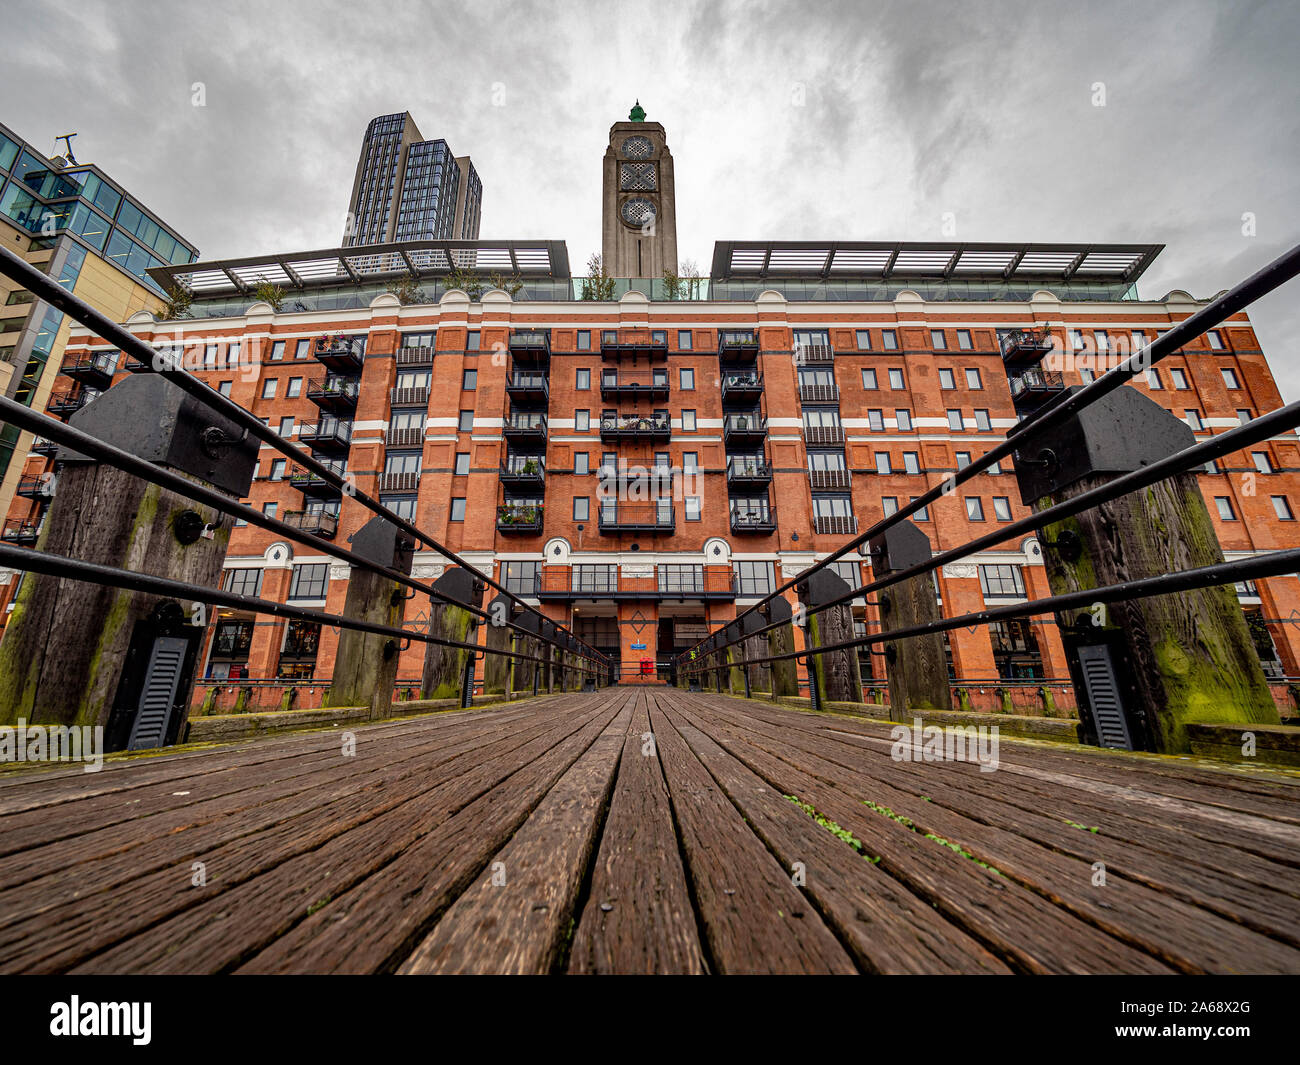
(637, 211)
(636, 177)
(638, 148)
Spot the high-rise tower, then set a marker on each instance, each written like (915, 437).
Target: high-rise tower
(407, 188)
(639, 222)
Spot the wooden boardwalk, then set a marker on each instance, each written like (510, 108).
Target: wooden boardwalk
(556, 836)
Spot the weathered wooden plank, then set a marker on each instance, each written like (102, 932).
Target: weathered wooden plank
(514, 919)
(638, 917)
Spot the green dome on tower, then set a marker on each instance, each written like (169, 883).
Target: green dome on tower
(637, 114)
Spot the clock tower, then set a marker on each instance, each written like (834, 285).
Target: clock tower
(639, 224)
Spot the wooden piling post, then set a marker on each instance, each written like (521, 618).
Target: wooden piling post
(496, 667)
(444, 667)
(780, 641)
(836, 674)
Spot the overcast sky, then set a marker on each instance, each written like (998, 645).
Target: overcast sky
(865, 121)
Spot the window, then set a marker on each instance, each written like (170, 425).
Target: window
(225, 387)
(687, 379)
(1224, 505)
(584, 339)
(869, 379)
(591, 578)
(963, 339)
(277, 351)
(244, 581)
(688, 421)
(1193, 418)
(1243, 416)
(403, 507)
(1139, 338)
(472, 340)
(690, 461)
(896, 380)
(470, 381)
(1282, 508)
(270, 509)
(882, 462)
(937, 340)
(1216, 341)
(911, 462)
(582, 381)
(466, 423)
(302, 350)
(402, 462)
(458, 508)
(1002, 508)
(973, 379)
(295, 388)
(521, 577)
(1263, 463)
(946, 380)
(889, 339)
(581, 462)
(277, 469)
(982, 422)
(754, 578)
(581, 508)
(903, 419)
(1076, 340)
(286, 427)
(974, 508)
(309, 580)
(1179, 378)
(582, 421)
(1102, 339)
(692, 508)
(889, 505)
(268, 388)
(1153, 380)
(1002, 581)
(876, 421)
(462, 464)
(1230, 378)
(864, 339)
(963, 459)
(922, 513)
(1086, 376)
(955, 423)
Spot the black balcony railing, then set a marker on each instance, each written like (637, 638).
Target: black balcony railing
(333, 393)
(525, 429)
(69, 401)
(826, 480)
(835, 524)
(530, 342)
(656, 426)
(20, 532)
(737, 346)
(94, 368)
(1032, 388)
(404, 436)
(743, 428)
(634, 386)
(520, 472)
(36, 487)
(313, 484)
(409, 396)
(813, 355)
(329, 434)
(524, 518)
(421, 355)
(654, 516)
(614, 343)
(745, 386)
(809, 393)
(399, 481)
(1026, 347)
(528, 389)
(748, 471)
(317, 522)
(44, 446)
(753, 520)
(340, 354)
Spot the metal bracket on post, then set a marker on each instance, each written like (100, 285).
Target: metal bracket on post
(467, 685)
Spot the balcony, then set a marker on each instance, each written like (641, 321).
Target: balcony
(820, 435)
(647, 479)
(748, 428)
(131, 364)
(520, 518)
(314, 485)
(36, 488)
(415, 356)
(400, 481)
(329, 434)
(819, 393)
(339, 354)
(521, 472)
(1026, 347)
(315, 522)
(813, 355)
(745, 387)
(1032, 388)
(92, 368)
(615, 343)
(405, 436)
(656, 426)
(69, 401)
(835, 524)
(44, 446)
(531, 347)
(737, 347)
(409, 396)
(20, 532)
(673, 582)
(525, 429)
(747, 471)
(827, 480)
(334, 394)
(759, 520)
(655, 516)
(529, 389)
(634, 386)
